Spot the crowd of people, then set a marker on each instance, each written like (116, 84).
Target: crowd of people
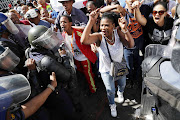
(34, 34)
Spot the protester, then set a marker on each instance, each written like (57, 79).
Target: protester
(170, 5)
(43, 4)
(14, 11)
(24, 9)
(35, 3)
(16, 20)
(115, 39)
(33, 15)
(99, 3)
(30, 5)
(45, 16)
(78, 17)
(90, 6)
(159, 27)
(83, 56)
(134, 56)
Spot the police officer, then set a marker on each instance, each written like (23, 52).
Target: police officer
(15, 88)
(44, 50)
(7, 28)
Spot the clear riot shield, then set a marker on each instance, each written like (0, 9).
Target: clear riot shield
(10, 26)
(158, 50)
(175, 61)
(22, 35)
(24, 28)
(14, 89)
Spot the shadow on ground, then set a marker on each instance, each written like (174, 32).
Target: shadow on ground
(96, 105)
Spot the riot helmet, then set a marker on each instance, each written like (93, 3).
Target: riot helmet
(7, 24)
(41, 36)
(8, 60)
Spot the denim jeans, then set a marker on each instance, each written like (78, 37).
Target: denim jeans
(110, 85)
(134, 61)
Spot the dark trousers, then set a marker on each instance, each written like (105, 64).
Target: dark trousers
(134, 60)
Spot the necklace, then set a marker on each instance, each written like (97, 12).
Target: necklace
(110, 40)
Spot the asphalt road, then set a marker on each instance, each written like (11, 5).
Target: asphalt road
(96, 105)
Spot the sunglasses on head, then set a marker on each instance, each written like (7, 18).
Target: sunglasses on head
(159, 12)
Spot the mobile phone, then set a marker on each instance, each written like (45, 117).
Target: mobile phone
(61, 46)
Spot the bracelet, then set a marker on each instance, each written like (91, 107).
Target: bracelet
(124, 32)
(50, 86)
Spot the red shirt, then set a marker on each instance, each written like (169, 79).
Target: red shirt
(25, 22)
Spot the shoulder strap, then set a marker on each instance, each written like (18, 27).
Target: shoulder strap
(108, 49)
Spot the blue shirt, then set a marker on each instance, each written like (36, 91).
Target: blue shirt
(45, 23)
(18, 115)
(122, 3)
(78, 17)
(54, 14)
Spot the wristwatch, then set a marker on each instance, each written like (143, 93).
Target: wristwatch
(50, 86)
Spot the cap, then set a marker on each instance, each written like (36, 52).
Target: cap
(65, 0)
(31, 13)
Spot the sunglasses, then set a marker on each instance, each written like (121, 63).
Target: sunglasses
(159, 12)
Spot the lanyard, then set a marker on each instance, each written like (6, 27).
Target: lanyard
(72, 42)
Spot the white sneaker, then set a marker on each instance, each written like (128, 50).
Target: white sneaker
(120, 97)
(113, 110)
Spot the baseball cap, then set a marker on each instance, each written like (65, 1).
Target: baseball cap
(65, 0)
(32, 13)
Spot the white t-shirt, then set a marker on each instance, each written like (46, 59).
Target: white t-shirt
(116, 51)
(78, 55)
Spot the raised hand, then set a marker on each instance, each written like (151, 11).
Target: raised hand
(94, 15)
(122, 23)
(30, 64)
(137, 4)
(53, 79)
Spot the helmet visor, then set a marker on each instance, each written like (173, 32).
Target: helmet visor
(48, 40)
(8, 60)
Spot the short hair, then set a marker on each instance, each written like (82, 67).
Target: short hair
(164, 4)
(68, 17)
(91, 2)
(30, 5)
(111, 16)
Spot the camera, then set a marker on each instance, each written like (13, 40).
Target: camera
(62, 46)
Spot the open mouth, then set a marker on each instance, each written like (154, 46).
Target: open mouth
(157, 19)
(104, 33)
(63, 28)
